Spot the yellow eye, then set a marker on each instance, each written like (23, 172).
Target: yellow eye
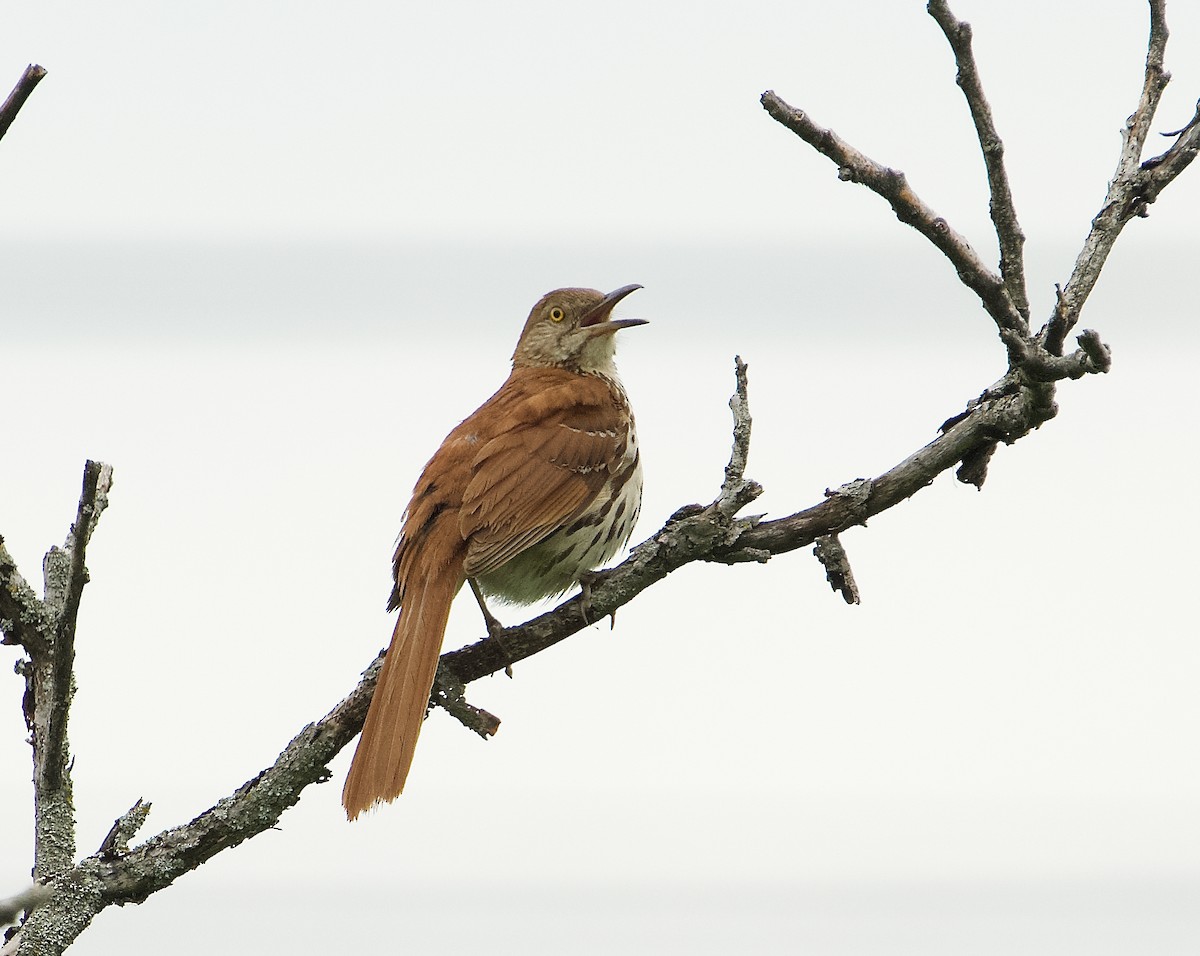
(557, 314)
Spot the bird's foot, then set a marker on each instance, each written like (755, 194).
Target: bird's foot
(587, 581)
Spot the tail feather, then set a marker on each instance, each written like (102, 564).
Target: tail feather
(389, 736)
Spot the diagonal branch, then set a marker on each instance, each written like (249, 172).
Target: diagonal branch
(1005, 412)
(1131, 190)
(1004, 215)
(20, 93)
(892, 185)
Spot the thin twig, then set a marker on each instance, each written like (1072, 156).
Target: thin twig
(20, 93)
(1004, 214)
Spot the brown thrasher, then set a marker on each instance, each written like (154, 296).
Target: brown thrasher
(540, 485)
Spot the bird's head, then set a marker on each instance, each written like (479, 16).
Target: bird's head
(573, 328)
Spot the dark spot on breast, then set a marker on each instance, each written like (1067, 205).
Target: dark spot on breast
(565, 554)
(578, 524)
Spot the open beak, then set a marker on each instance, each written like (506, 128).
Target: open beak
(597, 318)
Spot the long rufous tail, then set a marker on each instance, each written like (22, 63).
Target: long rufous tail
(389, 736)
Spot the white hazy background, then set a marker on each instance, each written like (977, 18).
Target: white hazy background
(262, 256)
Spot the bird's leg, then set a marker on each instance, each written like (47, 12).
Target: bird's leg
(494, 627)
(586, 580)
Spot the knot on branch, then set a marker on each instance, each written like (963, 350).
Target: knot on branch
(854, 497)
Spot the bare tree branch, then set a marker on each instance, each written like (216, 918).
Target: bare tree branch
(1004, 214)
(1133, 187)
(892, 185)
(20, 93)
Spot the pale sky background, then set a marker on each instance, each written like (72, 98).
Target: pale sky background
(260, 257)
